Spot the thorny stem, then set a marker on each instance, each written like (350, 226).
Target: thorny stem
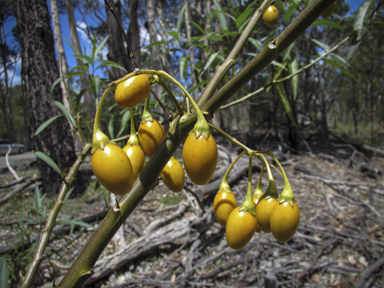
(131, 54)
(44, 237)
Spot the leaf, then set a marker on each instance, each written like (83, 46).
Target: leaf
(85, 67)
(243, 16)
(101, 45)
(257, 43)
(70, 45)
(124, 122)
(110, 127)
(46, 124)
(37, 197)
(48, 160)
(326, 22)
(198, 26)
(364, 10)
(222, 19)
(94, 81)
(158, 43)
(77, 100)
(68, 195)
(279, 88)
(278, 64)
(183, 64)
(61, 78)
(75, 222)
(202, 83)
(290, 11)
(323, 46)
(180, 19)
(337, 66)
(66, 113)
(211, 58)
(107, 198)
(4, 272)
(174, 34)
(293, 67)
(84, 57)
(117, 66)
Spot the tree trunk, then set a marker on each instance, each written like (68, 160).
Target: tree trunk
(39, 71)
(117, 51)
(60, 51)
(134, 33)
(76, 44)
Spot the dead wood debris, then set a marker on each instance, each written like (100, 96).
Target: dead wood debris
(339, 243)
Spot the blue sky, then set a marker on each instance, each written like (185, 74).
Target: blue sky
(85, 42)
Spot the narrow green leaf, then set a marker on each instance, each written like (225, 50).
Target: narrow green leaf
(222, 19)
(326, 22)
(57, 81)
(158, 43)
(117, 66)
(66, 113)
(48, 160)
(107, 198)
(202, 83)
(77, 100)
(94, 81)
(363, 12)
(68, 195)
(243, 16)
(22, 226)
(323, 46)
(337, 66)
(293, 67)
(110, 127)
(211, 58)
(280, 91)
(124, 122)
(93, 47)
(85, 67)
(290, 11)
(4, 272)
(183, 64)
(225, 14)
(101, 45)
(278, 64)
(70, 45)
(198, 27)
(37, 197)
(46, 124)
(180, 19)
(84, 57)
(174, 34)
(257, 43)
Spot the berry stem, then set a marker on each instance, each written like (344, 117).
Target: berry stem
(248, 203)
(224, 183)
(133, 140)
(99, 139)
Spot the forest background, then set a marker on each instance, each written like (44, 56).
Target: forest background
(335, 98)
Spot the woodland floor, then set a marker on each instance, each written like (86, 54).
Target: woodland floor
(173, 240)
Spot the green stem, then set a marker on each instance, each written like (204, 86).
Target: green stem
(173, 98)
(147, 116)
(230, 61)
(271, 190)
(230, 138)
(99, 139)
(248, 203)
(51, 220)
(287, 193)
(267, 55)
(133, 140)
(224, 183)
(259, 191)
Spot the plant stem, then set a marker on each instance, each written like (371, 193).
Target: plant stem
(248, 203)
(173, 98)
(38, 256)
(224, 183)
(230, 61)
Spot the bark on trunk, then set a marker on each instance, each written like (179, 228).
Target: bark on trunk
(39, 71)
(76, 44)
(117, 51)
(60, 50)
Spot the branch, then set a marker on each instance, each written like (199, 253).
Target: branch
(38, 256)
